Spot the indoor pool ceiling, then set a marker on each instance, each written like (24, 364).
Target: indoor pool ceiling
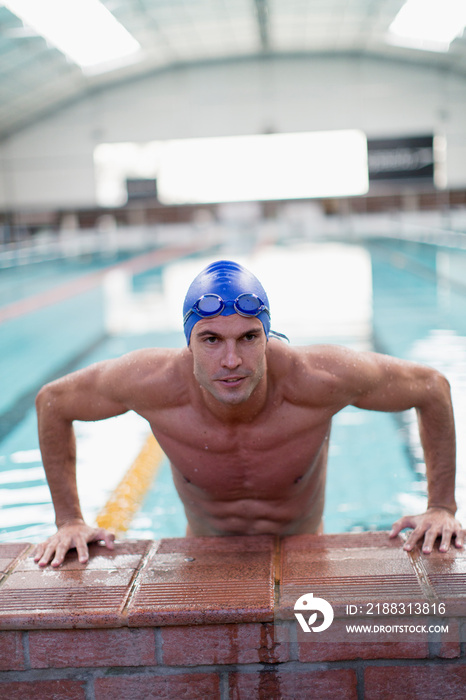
(37, 79)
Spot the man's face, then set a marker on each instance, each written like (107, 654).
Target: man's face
(229, 356)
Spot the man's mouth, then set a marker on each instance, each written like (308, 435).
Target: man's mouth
(231, 380)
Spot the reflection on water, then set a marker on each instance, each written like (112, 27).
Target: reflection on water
(316, 291)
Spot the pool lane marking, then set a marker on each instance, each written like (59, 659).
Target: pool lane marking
(17, 411)
(141, 263)
(126, 499)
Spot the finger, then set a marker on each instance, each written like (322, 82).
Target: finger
(459, 539)
(60, 552)
(429, 540)
(446, 540)
(103, 536)
(401, 524)
(49, 551)
(83, 551)
(39, 552)
(108, 538)
(413, 539)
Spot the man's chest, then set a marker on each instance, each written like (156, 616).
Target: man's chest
(261, 457)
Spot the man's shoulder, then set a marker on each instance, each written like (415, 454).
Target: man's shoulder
(155, 374)
(311, 373)
(327, 357)
(311, 357)
(155, 356)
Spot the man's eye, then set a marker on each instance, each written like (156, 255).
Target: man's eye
(250, 336)
(211, 340)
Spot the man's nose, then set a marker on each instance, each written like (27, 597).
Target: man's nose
(231, 357)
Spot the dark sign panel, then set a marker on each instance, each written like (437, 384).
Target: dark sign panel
(409, 158)
(141, 188)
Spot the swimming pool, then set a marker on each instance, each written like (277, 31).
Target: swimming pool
(393, 296)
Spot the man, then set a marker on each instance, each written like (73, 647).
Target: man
(245, 421)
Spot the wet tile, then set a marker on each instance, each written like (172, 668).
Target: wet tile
(184, 581)
(58, 578)
(9, 552)
(65, 608)
(206, 580)
(449, 563)
(126, 555)
(74, 595)
(343, 540)
(5, 565)
(187, 545)
(446, 574)
(345, 570)
(13, 549)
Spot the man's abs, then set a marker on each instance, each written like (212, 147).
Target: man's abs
(282, 500)
(206, 526)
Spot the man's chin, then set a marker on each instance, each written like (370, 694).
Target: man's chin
(232, 398)
(232, 392)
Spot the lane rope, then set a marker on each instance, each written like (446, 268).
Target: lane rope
(126, 499)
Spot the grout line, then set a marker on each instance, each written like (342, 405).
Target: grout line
(10, 569)
(25, 644)
(224, 684)
(360, 678)
(90, 687)
(158, 642)
(276, 570)
(422, 575)
(134, 583)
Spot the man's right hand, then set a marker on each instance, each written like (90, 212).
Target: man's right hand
(73, 535)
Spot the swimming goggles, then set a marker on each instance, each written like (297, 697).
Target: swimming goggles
(209, 305)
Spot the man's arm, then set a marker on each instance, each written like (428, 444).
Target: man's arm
(437, 433)
(86, 395)
(382, 383)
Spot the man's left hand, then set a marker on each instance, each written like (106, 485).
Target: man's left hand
(435, 522)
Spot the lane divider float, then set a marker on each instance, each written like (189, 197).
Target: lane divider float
(126, 499)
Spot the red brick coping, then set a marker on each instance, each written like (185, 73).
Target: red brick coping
(214, 618)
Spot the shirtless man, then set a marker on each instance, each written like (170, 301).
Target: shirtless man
(245, 421)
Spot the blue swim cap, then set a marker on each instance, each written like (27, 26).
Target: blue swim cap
(228, 280)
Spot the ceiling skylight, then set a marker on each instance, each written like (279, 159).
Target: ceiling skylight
(429, 25)
(84, 30)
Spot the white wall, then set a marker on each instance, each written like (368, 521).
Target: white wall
(50, 164)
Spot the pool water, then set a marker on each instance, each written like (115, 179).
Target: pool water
(395, 297)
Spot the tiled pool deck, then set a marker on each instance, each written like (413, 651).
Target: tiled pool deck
(214, 618)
